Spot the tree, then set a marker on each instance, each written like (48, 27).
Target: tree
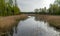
(15, 3)
(10, 1)
(15, 10)
(2, 6)
(44, 10)
(57, 2)
(54, 9)
(36, 10)
(8, 8)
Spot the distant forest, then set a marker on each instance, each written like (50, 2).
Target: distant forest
(54, 9)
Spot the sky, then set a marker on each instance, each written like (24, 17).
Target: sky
(30, 5)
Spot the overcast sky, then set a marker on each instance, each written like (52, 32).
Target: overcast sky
(30, 5)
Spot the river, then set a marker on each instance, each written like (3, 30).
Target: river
(31, 27)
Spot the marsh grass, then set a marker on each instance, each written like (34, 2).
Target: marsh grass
(53, 20)
(8, 22)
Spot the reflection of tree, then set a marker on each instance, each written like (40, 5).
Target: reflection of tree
(11, 32)
(38, 18)
(16, 28)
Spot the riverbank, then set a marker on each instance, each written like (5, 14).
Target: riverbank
(6, 23)
(53, 20)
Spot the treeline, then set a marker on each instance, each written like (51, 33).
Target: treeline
(54, 9)
(8, 7)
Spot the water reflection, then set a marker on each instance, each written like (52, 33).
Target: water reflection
(7, 33)
(31, 27)
(38, 18)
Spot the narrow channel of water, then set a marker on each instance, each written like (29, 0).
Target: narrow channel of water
(31, 27)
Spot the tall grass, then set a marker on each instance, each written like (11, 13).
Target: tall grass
(6, 23)
(53, 20)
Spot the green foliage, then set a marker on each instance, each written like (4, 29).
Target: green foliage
(7, 8)
(54, 9)
(16, 10)
(41, 10)
(57, 2)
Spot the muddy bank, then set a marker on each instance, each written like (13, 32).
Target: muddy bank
(52, 19)
(6, 23)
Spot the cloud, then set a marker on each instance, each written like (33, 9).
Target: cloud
(30, 5)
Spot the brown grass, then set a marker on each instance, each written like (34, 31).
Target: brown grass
(52, 19)
(9, 21)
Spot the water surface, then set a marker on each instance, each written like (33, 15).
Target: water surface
(31, 27)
